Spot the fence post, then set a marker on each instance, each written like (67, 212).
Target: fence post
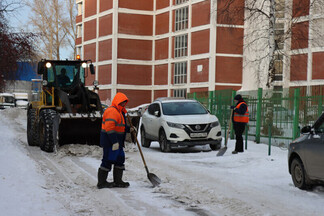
(246, 135)
(195, 95)
(232, 99)
(258, 117)
(269, 133)
(296, 111)
(210, 100)
(320, 104)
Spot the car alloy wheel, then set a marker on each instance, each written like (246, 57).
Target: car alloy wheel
(165, 147)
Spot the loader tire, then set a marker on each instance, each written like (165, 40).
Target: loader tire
(48, 130)
(32, 128)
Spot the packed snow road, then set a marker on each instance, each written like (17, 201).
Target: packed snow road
(194, 180)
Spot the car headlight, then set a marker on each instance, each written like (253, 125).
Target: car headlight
(214, 124)
(175, 125)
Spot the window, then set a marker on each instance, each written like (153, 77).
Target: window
(181, 19)
(179, 93)
(79, 31)
(80, 9)
(180, 1)
(180, 46)
(153, 108)
(180, 73)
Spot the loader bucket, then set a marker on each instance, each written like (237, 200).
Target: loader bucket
(79, 131)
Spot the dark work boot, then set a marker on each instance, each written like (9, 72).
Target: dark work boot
(118, 182)
(102, 179)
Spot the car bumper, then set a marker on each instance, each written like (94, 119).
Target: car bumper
(195, 142)
(181, 138)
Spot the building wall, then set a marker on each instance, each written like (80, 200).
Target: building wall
(132, 44)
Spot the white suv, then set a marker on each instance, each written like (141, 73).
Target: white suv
(177, 122)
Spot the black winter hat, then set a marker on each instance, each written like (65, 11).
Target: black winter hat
(238, 97)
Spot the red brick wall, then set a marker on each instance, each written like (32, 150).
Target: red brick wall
(230, 12)
(300, 8)
(90, 8)
(298, 67)
(136, 97)
(104, 94)
(162, 23)
(221, 87)
(200, 42)
(201, 13)
(90, 30)
(229, 40)
(198, 90)
(89, 78)
(90, 51)
(104, 74)
(162, 4)
(228, 69)
(105, 50)
(78, 19)
(199, 76)
(160, 93)
(161, 74)
(105, 5)
(134, 74)
(135, 49)
(78, 41)
(136, 5)
(135, 24)
(318, 65)
(299, 37)
(161, 49)
(105, 25)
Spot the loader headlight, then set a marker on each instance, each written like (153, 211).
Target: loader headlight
(214, 124)
(48, 64)
(45, 82)
(175, 125)
(84, 65)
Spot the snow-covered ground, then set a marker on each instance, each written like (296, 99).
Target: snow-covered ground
(194, 180)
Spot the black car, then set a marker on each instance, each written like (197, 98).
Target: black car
(306, 156)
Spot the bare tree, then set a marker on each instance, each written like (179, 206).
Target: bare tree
(14, 46)
(55, 21)
(269, 26)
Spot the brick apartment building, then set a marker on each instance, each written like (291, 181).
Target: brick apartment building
(156, 48)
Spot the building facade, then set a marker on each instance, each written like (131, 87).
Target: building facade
(157, 48)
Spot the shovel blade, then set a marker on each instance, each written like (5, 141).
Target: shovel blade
(154, 179)
(222, 151)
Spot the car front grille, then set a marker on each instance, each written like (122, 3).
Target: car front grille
(197, 127)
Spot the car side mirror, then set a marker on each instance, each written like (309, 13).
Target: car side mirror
(92, 70)
(41, 68)
(157, 113)
(306, 129)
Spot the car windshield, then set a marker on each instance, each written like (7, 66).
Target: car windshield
(65, 74)
(183, 108)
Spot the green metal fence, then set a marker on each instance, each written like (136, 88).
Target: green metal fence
(275, 117)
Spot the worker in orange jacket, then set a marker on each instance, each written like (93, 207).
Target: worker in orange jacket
(240, 118)
(112, 138)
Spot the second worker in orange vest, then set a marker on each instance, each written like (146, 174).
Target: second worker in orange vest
(240, 118)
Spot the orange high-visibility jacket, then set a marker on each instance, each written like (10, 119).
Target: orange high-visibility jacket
(113, 122)
(239, 117)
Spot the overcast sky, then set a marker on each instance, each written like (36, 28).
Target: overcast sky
(19, 21)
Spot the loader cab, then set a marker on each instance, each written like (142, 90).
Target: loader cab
(63, 74)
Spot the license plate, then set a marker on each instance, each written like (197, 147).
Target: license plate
(198, 135)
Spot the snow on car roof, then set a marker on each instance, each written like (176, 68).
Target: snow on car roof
(172, 99)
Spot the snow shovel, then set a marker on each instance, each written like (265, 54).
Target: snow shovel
(222, 151)
(152, 177)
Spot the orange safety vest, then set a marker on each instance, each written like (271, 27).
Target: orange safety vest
(241, 118)
(113, 120)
